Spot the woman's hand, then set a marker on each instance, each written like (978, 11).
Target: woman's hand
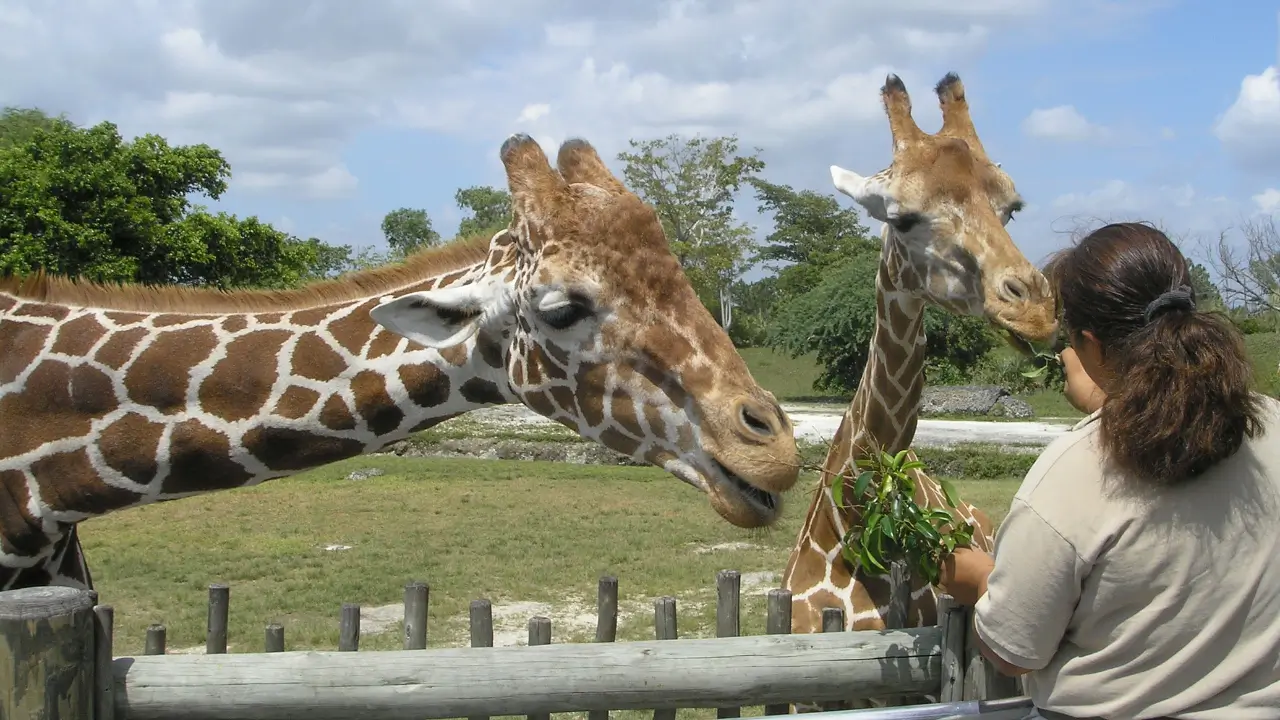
(1081, 391)
(964, 575)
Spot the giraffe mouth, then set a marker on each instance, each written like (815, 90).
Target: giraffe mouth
(763, 501)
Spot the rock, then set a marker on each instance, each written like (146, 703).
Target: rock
(365, 473)
(578, 453)
(960, 399)
(1012, 407)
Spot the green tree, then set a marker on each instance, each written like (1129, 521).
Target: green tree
(811, 233)
(83, 202)
(490, 210)
(18, 125)
(692, 183)
(408, 230)
(836, 319)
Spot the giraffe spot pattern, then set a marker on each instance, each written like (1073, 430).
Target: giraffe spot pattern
(120, 408)
(130, 446)
(22, 343)
(161, 374)
(296, 402)
(200, 459)
(78, 336)
(241, 383)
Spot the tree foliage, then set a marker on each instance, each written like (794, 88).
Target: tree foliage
(408, 230)
(84, 202)
(836, 319)
(692, 183)
(811, 233)
(490, 210)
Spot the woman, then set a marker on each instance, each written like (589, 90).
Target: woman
(1137, 574)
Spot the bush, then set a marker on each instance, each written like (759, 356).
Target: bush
(748, 331)
(835, 321)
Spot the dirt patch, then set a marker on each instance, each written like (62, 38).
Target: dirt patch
(734, 546)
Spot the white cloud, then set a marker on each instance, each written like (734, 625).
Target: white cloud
(1062, 123)
(1250, 128)
(1268, 201)
(283, 88)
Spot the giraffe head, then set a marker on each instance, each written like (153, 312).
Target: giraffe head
(945, 206)
(597, 327)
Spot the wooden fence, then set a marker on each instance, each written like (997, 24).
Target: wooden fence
(56, 644)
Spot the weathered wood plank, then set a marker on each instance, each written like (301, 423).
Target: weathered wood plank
(460, 682)
(46, 654)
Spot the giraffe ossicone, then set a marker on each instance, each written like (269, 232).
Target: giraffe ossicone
(115, 397)
(945, 207)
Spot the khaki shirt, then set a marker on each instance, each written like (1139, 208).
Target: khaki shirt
(1134, 602)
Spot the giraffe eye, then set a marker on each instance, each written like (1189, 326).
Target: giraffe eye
(562, 317)
(904, 222)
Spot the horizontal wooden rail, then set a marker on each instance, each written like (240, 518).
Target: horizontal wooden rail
(462, 682)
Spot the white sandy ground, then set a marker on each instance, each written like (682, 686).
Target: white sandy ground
(818, 423)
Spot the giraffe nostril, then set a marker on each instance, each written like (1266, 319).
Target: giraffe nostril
(756, 420)
(1015, 290)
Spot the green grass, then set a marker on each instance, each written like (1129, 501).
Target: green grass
(791, 380)
(514, 532)
(1264, 349)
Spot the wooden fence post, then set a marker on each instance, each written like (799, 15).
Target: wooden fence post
(481, 624)
(349, 628)
(728, 618)
(665, 627)
(833, 621)
(778, 622)
(416, 597)
(215, 642)
(951, 619)
(47, 654)
(273, 638)
(606, 623)
(155, 639)
(539, 634)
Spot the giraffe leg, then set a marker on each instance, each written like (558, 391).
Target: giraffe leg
(69, 566)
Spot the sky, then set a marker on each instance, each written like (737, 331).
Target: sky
(333, 113)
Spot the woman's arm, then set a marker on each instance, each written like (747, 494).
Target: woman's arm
(964, 577)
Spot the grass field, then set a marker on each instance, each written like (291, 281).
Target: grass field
(532, 537)
(791, 380)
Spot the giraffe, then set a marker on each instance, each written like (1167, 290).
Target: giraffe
(115, 397)
(944, 206)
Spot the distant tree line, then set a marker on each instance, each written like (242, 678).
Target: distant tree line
(82, 201)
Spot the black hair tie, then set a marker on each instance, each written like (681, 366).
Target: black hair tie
(1179, 299)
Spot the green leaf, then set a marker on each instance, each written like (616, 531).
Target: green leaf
(837, 491)
(912, 465)
(949, 492)
(860, 485)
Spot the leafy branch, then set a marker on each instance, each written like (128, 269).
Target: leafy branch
(894, 527)
(1040, 364)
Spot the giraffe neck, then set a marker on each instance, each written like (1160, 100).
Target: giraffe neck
(882, 415)
(103, 410)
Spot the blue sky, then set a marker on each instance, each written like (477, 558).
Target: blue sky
(334, 113)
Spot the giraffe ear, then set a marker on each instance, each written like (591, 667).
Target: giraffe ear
(443, 317)
(871, 194)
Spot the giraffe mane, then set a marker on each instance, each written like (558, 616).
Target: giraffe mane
(63, 290)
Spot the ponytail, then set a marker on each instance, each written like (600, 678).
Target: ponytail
(1181, 399)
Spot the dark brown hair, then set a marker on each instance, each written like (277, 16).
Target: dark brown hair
(1183, 396)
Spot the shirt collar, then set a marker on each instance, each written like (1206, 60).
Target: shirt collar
(1087, 419)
